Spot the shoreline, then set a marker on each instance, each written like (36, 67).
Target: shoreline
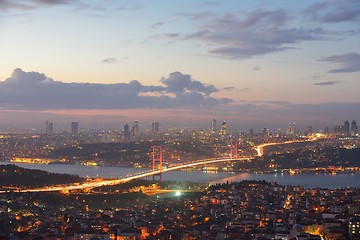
(305, 171)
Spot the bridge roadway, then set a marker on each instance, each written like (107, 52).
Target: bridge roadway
(260, 148)
(109, 182)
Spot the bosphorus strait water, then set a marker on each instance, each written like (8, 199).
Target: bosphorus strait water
(341, 180)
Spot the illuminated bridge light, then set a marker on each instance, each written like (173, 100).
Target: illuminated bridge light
(78, 186)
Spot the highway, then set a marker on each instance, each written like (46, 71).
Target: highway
(260, 148)
(108, 182)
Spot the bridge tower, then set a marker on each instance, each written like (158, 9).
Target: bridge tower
(234, 149)
(157, 157)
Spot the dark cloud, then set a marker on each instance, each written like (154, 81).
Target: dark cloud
(326, 83)
(262, 18)
(171, 35)
(256, 68)
(109, 60)
(257, 33)
(35, 91)
(182, 84)
(350, 62)
(331, 11)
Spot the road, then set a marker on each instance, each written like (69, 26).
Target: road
(106, 182)
(260, 148)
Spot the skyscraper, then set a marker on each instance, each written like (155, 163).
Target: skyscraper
(75, 129)
(155, 127)
(136, 130)
(213, 127)
(223, 130)
(126, 131)
(354, 128)
(49, 127)
(291, 130)
(347, 128)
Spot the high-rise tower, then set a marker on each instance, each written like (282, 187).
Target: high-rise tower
(213, 126)
(347, 128)
(136, 129)
(223, 130)
(155, 127)
(291, 130)
(354, 128)
(126, 131)
(75, 129)
(49, 127)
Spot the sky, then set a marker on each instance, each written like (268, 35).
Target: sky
(252, 63)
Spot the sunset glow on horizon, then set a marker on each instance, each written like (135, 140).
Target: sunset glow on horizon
(252, 63)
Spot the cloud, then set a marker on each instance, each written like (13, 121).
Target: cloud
(157, 25)
(7, 4)
(54, 2)
(77, 4)
(33, 4)
(229, 88)
(326, 83)
(332, 11)
(182, 84)
(247, 90)
(35, 91)
(109, 60)
(256, 33)
(350, 62)
(171, 35)
(197, 16)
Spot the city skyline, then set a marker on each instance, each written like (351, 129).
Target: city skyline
(137, 127)
(252, 63)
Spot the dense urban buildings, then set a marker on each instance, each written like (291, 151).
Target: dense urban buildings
(243, 210)
(224, 128)
(155, 127)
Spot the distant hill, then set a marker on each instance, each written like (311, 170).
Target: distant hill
(14, 176)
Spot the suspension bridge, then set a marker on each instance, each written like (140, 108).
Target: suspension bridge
(157, 170)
